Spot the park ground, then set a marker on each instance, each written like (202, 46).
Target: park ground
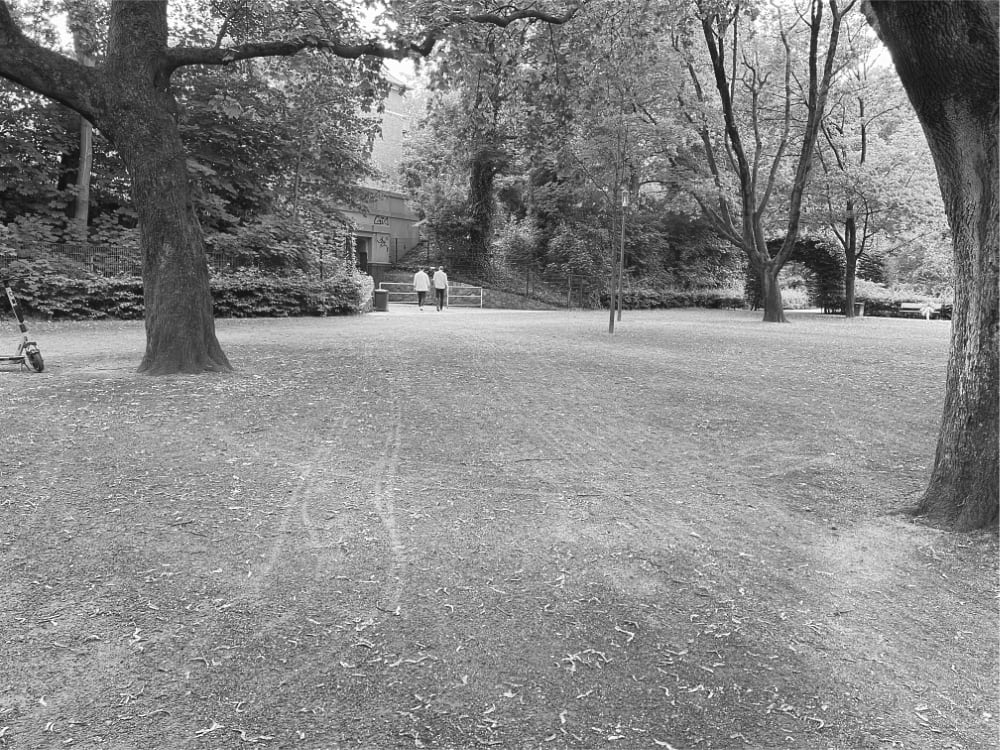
(481, 528)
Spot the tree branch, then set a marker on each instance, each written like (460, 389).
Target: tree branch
(721, 223)
(786, 128)
(392, 50)
(819, 88)
(46, 72)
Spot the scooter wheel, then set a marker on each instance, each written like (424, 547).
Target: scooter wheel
(35, 360)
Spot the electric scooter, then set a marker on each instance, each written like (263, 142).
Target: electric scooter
(27, 355)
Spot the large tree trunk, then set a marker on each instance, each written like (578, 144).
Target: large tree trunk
(487, 161)
(774, 308)
(947, 58)
(140, 121)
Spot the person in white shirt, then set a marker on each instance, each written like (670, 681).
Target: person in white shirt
(421, 285)
(440, 286)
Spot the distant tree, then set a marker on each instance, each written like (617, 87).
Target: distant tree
(129, 97)
(485, 79)
(874, 184)
(948, 58)
(766, 110)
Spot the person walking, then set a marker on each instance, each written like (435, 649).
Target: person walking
(421, 285)
(440, 286)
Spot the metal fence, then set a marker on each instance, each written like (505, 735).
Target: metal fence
(104, 260)
(550, 286)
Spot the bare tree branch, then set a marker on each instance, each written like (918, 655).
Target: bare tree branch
(391, 50)
(786, 129)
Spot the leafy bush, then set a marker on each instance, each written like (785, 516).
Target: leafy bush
(276, 244)
(516, 242)
(646, 298)
(880, 301)
(44, 292)
(577, 250)
(250, 294)
(796, 298)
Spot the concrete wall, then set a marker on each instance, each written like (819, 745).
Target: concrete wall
(389, 223)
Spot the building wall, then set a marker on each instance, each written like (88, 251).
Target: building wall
(388, 229)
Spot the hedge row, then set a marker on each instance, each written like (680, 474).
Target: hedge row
(653, 299)
(239, 295)
(881, 301)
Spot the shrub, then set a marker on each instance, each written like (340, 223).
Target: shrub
(250, 294)
(43, 292)
(880, 301)
(516, 242)
(796, 298)
(647, 298)
(278, 245)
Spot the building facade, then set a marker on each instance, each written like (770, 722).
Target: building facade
(388, 229)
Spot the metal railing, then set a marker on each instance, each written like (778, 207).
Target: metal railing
(458, 295)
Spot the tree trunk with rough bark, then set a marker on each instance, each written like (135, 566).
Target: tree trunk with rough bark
(774, 309)
(947, 55)
(139, 118)
(487, 162)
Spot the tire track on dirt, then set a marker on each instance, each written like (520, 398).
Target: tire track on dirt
(383, 499)
(315, 483)
(299, 499)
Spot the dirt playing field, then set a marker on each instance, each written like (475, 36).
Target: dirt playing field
(486, 528)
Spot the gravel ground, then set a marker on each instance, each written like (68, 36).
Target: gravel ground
(490, 528)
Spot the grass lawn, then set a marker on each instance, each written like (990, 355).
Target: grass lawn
(485, 528)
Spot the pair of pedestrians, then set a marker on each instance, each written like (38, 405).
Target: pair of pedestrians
(422, 284)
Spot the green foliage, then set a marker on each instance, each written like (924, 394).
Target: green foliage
(649, 298)
(578, 249)
(278, 244)
(249, 294)
(797, 298)
(881, 301)
(517, 243)
(925, 264)
(675, 250)
(44, 289)
(261, 135)
(46, 292)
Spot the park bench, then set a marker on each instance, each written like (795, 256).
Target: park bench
(926, 310)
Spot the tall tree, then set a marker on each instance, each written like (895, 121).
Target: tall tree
(762, 104)
(875, 188)
(948, 58)
(129, 98)
(486, 79)
(844, 148)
